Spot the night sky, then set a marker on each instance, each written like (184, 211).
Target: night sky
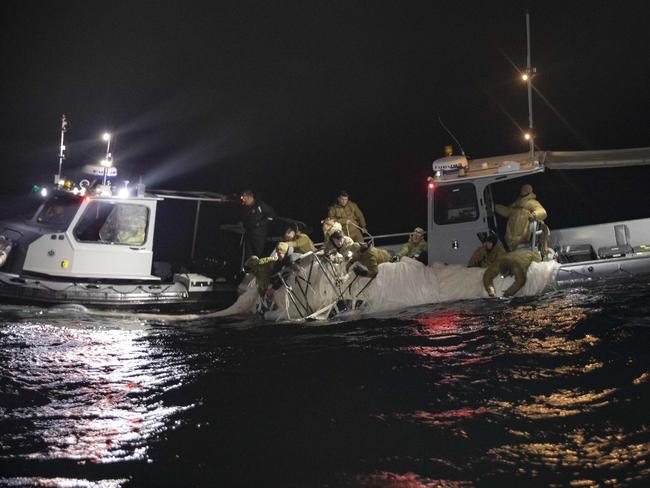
(299, 99)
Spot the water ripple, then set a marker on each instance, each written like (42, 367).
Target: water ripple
(547, 391)
(84, 394)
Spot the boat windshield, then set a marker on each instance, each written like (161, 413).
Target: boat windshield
(59, 210)
(113, 223)
(455, 204)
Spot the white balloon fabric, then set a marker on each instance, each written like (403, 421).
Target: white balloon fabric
(314, 288)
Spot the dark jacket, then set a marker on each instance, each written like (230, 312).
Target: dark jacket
(256, 218)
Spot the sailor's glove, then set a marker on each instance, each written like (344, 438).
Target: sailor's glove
(491, 291)
(360, 270)
(395, 259)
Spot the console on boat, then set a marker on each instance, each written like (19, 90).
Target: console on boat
(461, 205)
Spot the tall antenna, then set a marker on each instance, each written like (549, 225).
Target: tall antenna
(462, 151)
(527, 77)
(64, 127)
(107, 162)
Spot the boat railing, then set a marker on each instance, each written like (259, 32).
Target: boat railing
(388, 241)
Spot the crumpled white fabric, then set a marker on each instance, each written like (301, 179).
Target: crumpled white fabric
(409, 283)
(399, 285)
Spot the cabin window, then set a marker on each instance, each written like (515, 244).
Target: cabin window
(113, 223)
(455, 204)
(59, 210)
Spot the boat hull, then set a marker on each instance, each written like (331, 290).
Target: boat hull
(135, 296)
(600, 270)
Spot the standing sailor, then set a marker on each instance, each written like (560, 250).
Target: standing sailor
(255, 216)
(349, 215)
(519, 214)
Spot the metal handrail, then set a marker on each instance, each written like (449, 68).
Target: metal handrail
(382, 236)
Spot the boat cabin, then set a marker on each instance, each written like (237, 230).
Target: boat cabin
(461, 205)
(93, 237)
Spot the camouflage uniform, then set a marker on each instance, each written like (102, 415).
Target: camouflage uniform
(519, 214)
(482, 258)
(352, 212)
(263, 269)
(302, 244)
(413, 249)
(339, 255)
(515, 263)
(371, 259)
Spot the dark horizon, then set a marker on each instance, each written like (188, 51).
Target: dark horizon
(301, 100)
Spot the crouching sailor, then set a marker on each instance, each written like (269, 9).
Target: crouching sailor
(415, 246)
(514, 263)
(264, 268)
(488, 252)
(366, 259)
(340, 247)
(299, 241)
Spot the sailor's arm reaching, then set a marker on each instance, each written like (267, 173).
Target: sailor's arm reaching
(515, 264)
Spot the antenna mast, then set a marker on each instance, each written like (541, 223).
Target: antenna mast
(64, 127)
(462, 151)
(528, 78)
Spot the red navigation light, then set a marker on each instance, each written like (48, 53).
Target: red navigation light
(431, 185)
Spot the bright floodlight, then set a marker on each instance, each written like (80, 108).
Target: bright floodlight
(123, 193)
(106, 163)
(43, 192)
(527, 136)
(106, 136)
(524, 77)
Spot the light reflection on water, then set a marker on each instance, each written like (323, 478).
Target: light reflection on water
(549, 392)
(61, 482)
(542, 350)
(93, 392)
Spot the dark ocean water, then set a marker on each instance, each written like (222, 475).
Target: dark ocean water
(552, 391)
